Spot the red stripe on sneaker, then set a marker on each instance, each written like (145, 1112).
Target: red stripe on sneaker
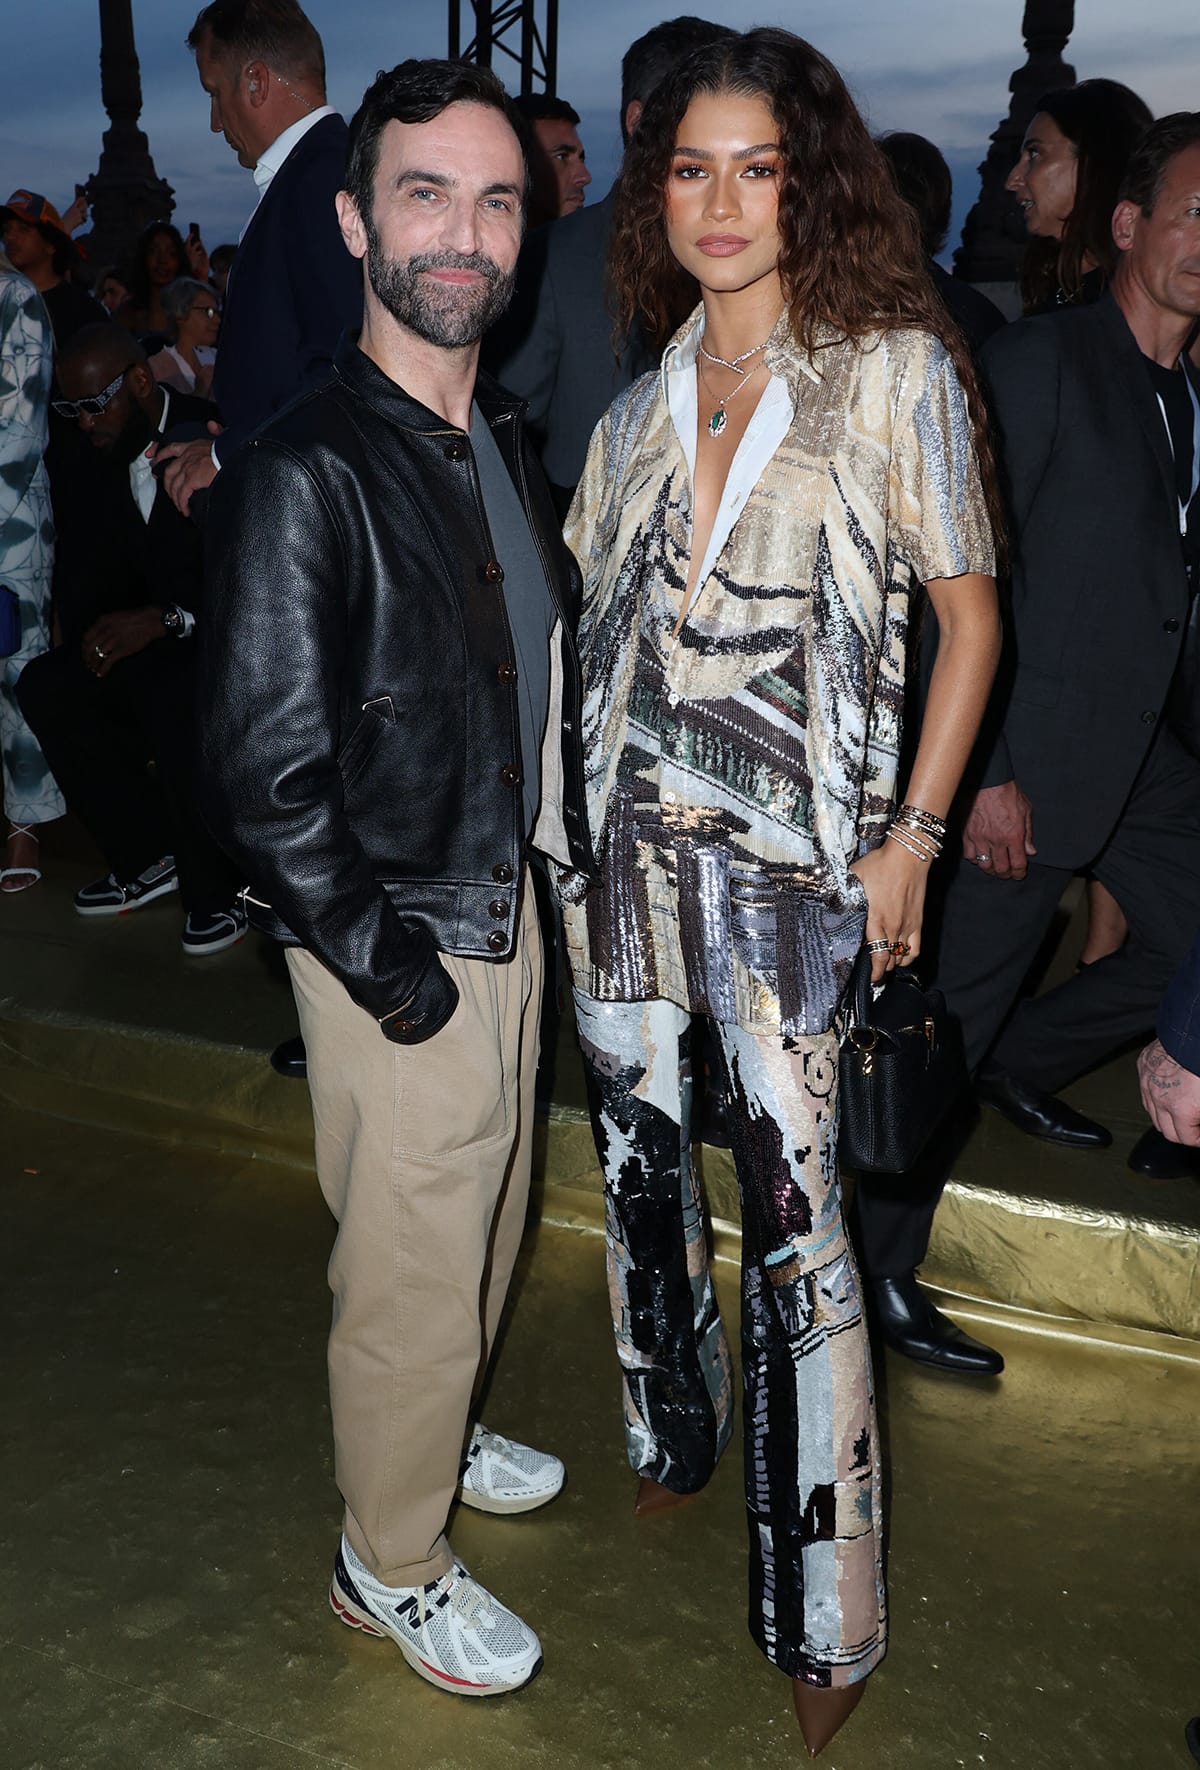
(447, 1679)
(348, 1616)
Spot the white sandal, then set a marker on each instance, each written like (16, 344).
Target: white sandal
(31, 875)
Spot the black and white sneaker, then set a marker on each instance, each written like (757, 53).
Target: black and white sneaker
(213, 931)
(453, 1633)
(116, 897)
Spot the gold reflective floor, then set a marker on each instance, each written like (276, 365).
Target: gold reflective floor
(169, 1518)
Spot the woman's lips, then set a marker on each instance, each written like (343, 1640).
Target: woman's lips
(722, 245)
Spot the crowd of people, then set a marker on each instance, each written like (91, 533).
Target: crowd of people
(287, 522)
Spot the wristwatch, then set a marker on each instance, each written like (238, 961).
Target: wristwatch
(174, 622)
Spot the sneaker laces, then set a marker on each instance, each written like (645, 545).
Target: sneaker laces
(465, 1596)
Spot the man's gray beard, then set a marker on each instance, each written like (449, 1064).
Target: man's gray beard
(445, 314)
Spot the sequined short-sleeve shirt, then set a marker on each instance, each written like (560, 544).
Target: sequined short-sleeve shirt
(734, 772)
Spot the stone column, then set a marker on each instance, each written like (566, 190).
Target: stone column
(125, 191)
(993, 238)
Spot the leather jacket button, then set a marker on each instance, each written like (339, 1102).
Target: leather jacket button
(493, 571)
(1149, 717)
(456, 451)
(1170, 626)
(510, 775)
(496, 941)
(506, 673)
(498, 909)
(503, 873)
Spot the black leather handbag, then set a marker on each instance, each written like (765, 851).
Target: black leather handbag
(900, 1070)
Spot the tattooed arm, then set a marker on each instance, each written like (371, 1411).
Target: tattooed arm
(1171, 1095)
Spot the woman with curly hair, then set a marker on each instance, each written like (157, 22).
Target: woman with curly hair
(753, 521)
(1066, 181)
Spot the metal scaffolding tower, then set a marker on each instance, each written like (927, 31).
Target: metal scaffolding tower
(509, 28)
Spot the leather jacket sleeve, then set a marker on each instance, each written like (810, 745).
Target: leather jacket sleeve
(271, 789)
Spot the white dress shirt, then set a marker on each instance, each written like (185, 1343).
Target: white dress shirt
(762, 436)
(274, 156)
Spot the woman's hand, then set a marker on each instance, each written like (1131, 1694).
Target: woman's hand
(894, 882)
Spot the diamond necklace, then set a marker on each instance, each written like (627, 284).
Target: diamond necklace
(745, 356)
(718, 420)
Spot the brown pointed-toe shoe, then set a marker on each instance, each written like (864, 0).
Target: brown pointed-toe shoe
(652, 1497)
(822, 1712)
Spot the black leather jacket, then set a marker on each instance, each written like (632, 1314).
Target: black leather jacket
(360, 733)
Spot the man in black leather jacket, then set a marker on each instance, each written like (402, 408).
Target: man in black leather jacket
(392, 717)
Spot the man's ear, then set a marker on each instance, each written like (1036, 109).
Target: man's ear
(633, 116)
(351, 224)
(1124, 224)
(258, 82)
(140, 382)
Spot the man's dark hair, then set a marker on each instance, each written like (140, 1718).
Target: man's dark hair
(221, 257)
(923, 180)
(417, 92)
(652, 57)
(541, 107)
(106, 343)
(1147, 165)
(273, 31)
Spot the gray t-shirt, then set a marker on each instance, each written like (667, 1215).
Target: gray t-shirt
(531, 612)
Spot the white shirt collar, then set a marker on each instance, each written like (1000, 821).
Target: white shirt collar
(274, 156)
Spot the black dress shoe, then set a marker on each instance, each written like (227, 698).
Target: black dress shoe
(1037, 1113)
(1191, 1737)
(1158, 1158)
(289, 1059)
(910, 1324)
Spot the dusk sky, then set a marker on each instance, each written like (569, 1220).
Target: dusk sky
(937, 66)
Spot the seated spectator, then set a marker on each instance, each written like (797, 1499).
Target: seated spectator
(119, 691)
(30, 796)
(112, 288)
(160, 256)
(923, 180)
(220, 263)
(556, 160)
(186, 364)
(40, 248)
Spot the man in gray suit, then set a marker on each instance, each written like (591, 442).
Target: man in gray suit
(1099, 421)
(555, 346)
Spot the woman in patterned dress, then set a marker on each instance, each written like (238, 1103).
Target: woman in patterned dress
(752, 522)
(31, 795)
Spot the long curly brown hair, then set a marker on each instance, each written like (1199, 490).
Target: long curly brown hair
(850, 250)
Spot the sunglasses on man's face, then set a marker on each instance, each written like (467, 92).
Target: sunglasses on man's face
(93, 404)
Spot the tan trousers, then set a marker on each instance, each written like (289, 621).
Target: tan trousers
(423, 1154)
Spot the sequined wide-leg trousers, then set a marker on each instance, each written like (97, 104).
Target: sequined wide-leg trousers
(812, 1468)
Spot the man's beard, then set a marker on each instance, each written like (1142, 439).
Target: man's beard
(449, 315)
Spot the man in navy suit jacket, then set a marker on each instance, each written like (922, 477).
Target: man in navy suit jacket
(294, 288)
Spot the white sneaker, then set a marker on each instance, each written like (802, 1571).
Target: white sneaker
(500, 1476)
(453, 1633)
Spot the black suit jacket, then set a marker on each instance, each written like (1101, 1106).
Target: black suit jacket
(554, 347)
(1099, 586)
(113, 558)
(294, 288)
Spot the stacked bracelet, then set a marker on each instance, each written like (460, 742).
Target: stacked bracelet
(918, 831)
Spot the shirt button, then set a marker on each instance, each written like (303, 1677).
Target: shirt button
(1170, 626)
(456, 451)
(506, 673)
(510, 775)
(496, 941)
(1148, 717)
(668, 798)
(502, 873)
(498, 909)
(493, 571)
